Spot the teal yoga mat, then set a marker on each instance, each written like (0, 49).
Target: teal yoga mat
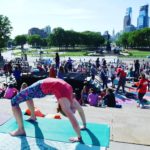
(61, 130)
(4, 117)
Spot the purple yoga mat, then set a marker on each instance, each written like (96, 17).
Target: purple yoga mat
(4, 118)
(125, 101)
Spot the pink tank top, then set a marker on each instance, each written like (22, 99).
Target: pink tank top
(57, 87)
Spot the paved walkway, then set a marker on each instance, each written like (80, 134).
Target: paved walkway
(130, 126)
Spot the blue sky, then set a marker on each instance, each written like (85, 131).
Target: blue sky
(78, 15)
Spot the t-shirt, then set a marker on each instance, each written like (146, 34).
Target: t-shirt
(93, 99)
(52, 73)
(109, 100)
(58, 87)
(143, 84)
(121, 72)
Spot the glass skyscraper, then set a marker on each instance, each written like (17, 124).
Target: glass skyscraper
(127, 25)
(127, 17)
(143, 19)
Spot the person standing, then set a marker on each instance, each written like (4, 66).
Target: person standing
(97, 63)
(142, 89)
(122, 79)
(57, 61)
(93, 71)
(137, 69)
(104, 77)
(112, 75)
(17, 74)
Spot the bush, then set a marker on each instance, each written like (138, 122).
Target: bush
(130, 54)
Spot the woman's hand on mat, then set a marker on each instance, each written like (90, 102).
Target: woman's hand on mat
(75, 139)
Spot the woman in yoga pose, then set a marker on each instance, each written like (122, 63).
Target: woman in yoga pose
(64, 95)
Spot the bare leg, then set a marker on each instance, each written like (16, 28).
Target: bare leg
(18, 116)
(30, 105)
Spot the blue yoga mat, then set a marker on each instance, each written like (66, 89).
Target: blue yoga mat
(4, 117)
(61, 130)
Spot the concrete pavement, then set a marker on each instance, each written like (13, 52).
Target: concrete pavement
(130, 126)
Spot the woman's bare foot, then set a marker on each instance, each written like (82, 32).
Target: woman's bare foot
(18, 133)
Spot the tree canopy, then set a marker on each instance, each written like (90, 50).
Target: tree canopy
(35, 40)
(21, 40)
(136, 39)
(69, 38)
(5, 31)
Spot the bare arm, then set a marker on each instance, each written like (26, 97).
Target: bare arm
(65, 105)
(81, 112)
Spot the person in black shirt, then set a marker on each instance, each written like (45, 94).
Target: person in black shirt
(137, 69)
(57, 60)
(109, 99)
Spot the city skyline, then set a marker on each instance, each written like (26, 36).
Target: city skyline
(77, 15)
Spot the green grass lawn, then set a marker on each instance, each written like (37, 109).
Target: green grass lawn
(81, 53)
(137, 53)
(49, 53)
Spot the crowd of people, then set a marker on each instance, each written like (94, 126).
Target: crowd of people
(111, 75)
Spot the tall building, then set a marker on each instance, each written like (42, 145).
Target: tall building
(47, 29)
(127, 18)
(42, 32)
(127, 24)
(143, 19)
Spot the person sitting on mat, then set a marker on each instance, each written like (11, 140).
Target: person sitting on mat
(64, 94)
(109, 99)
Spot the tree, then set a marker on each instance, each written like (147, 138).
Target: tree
(44, 42)
(136, 39)
(70, 38)
(21, 40)
(145, 35)
(92, 39)
(35, 40)
(57, 37)
(5, 30)
(124, 39)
